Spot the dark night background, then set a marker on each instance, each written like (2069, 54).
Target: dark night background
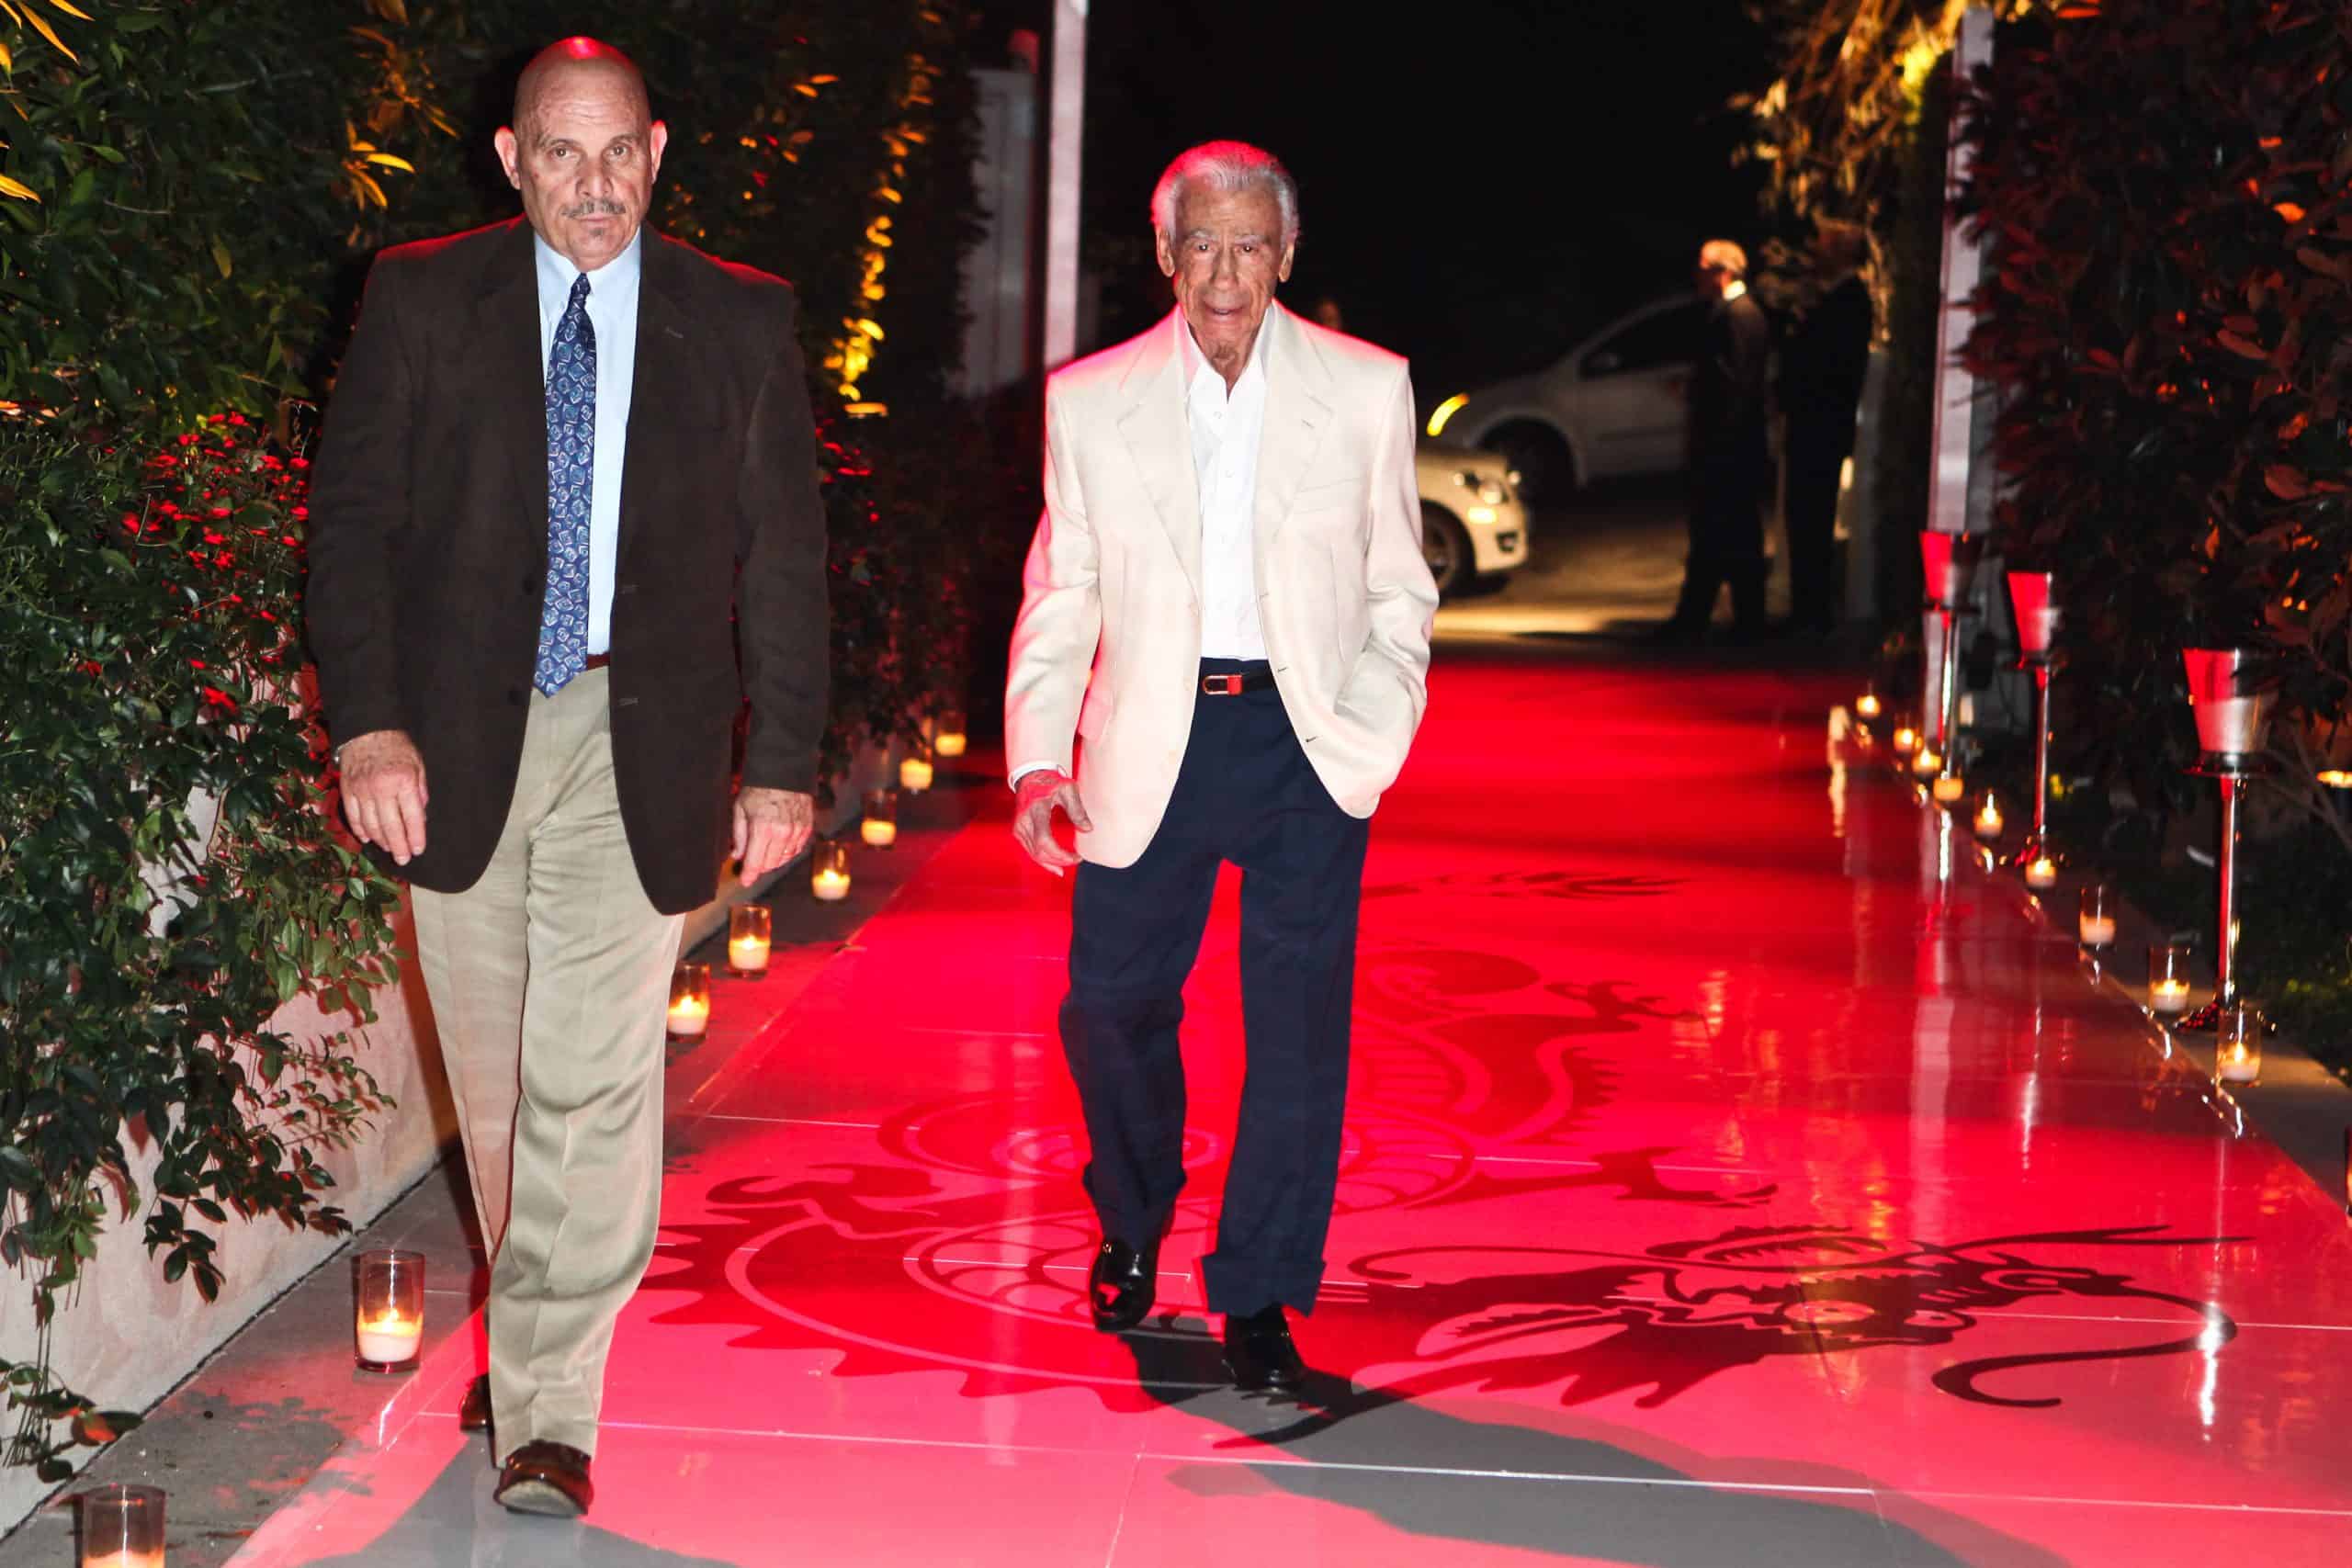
(1481, 180)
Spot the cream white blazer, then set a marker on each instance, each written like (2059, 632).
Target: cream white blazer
(1107, 648)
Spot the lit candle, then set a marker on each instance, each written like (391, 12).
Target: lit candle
(880, 827)
(1907, 740)
(2095, 923)
(386, 1307)
(689, 1000)
(1988, 823)
(950, 741)
(828, 871)
(914, 774)
(389, 1339)
(2168, 996)
(1949, 788)
(748, 932)
(2169, 980)
(1926, 763)
(122, 1527)
(1868, 705)
(2237, 1054)
(2041, 871)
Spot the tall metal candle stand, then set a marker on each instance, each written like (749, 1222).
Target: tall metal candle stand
(2034, 596)
(2233, 706)
(1950, 560)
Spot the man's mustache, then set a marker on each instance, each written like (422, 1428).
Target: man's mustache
(599, 207)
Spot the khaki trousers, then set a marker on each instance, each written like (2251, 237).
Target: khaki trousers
(550, 980)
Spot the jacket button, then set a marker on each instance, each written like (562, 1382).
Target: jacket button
(530, 585)
(514, 696)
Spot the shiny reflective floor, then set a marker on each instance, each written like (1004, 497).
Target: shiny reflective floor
(1736, 1174)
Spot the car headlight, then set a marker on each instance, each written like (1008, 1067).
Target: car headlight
(1446, 410)
(1482, 515)
(1492, 493)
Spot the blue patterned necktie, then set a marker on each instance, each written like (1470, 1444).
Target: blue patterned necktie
(571, 461)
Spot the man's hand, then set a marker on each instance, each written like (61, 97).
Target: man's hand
(383, 792)
(771, 827)
(1039, 792)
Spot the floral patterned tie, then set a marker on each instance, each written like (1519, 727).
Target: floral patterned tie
(572, 460)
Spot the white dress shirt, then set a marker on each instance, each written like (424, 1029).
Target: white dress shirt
(1226, 427)
(612, 312)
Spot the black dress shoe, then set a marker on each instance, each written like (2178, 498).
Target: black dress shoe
(1123, 1285)
(546, 1478)
(1260, 1353)
(473, 1411)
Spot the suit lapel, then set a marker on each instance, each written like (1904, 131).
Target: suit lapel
(514, 384)
(1153, 425)
(1298, 414)
(662, 384)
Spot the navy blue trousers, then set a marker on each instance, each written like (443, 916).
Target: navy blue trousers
(1246, 794)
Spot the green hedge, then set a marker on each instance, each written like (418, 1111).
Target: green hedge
(2169, 298)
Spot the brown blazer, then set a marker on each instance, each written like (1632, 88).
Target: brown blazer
(428, 547)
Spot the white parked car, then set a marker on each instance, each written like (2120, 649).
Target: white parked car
(1473, 524)
(1610, 408)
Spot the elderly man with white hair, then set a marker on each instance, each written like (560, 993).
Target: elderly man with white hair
(1227, 602)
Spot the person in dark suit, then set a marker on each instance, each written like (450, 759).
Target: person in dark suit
(1730, 458)
(1822, 369)
(560, 448)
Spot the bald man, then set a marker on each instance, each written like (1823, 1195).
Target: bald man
(565, 521)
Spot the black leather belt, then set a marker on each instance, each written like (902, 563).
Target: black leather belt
(1233, 685)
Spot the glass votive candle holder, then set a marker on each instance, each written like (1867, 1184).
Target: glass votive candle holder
(948, 738)
(689, 1001)
(750, 928)
(122, 1527)
(1905, 741)
(1988, 823)
(880, 826)
(2042, 873)
(1949, 789)
(829, 870)
(2237, 1048)
(1926, 762)
(915, 770)
(388, 1308)
(1867, 705)
(2169, 980)
(2095, 923)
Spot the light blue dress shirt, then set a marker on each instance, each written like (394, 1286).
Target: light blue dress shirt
(611, 311)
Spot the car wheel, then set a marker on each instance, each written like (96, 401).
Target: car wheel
(1445, 546)
(1546, 470)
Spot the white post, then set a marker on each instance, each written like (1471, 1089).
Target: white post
(1067, 126)
(1957, 433)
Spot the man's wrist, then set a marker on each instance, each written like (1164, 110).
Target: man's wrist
(1026, 769)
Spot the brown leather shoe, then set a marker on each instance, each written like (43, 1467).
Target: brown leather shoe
(473, 1411)
(546, 1478)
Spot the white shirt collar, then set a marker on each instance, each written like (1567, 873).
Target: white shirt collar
(613, 279)
(1196, 363)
